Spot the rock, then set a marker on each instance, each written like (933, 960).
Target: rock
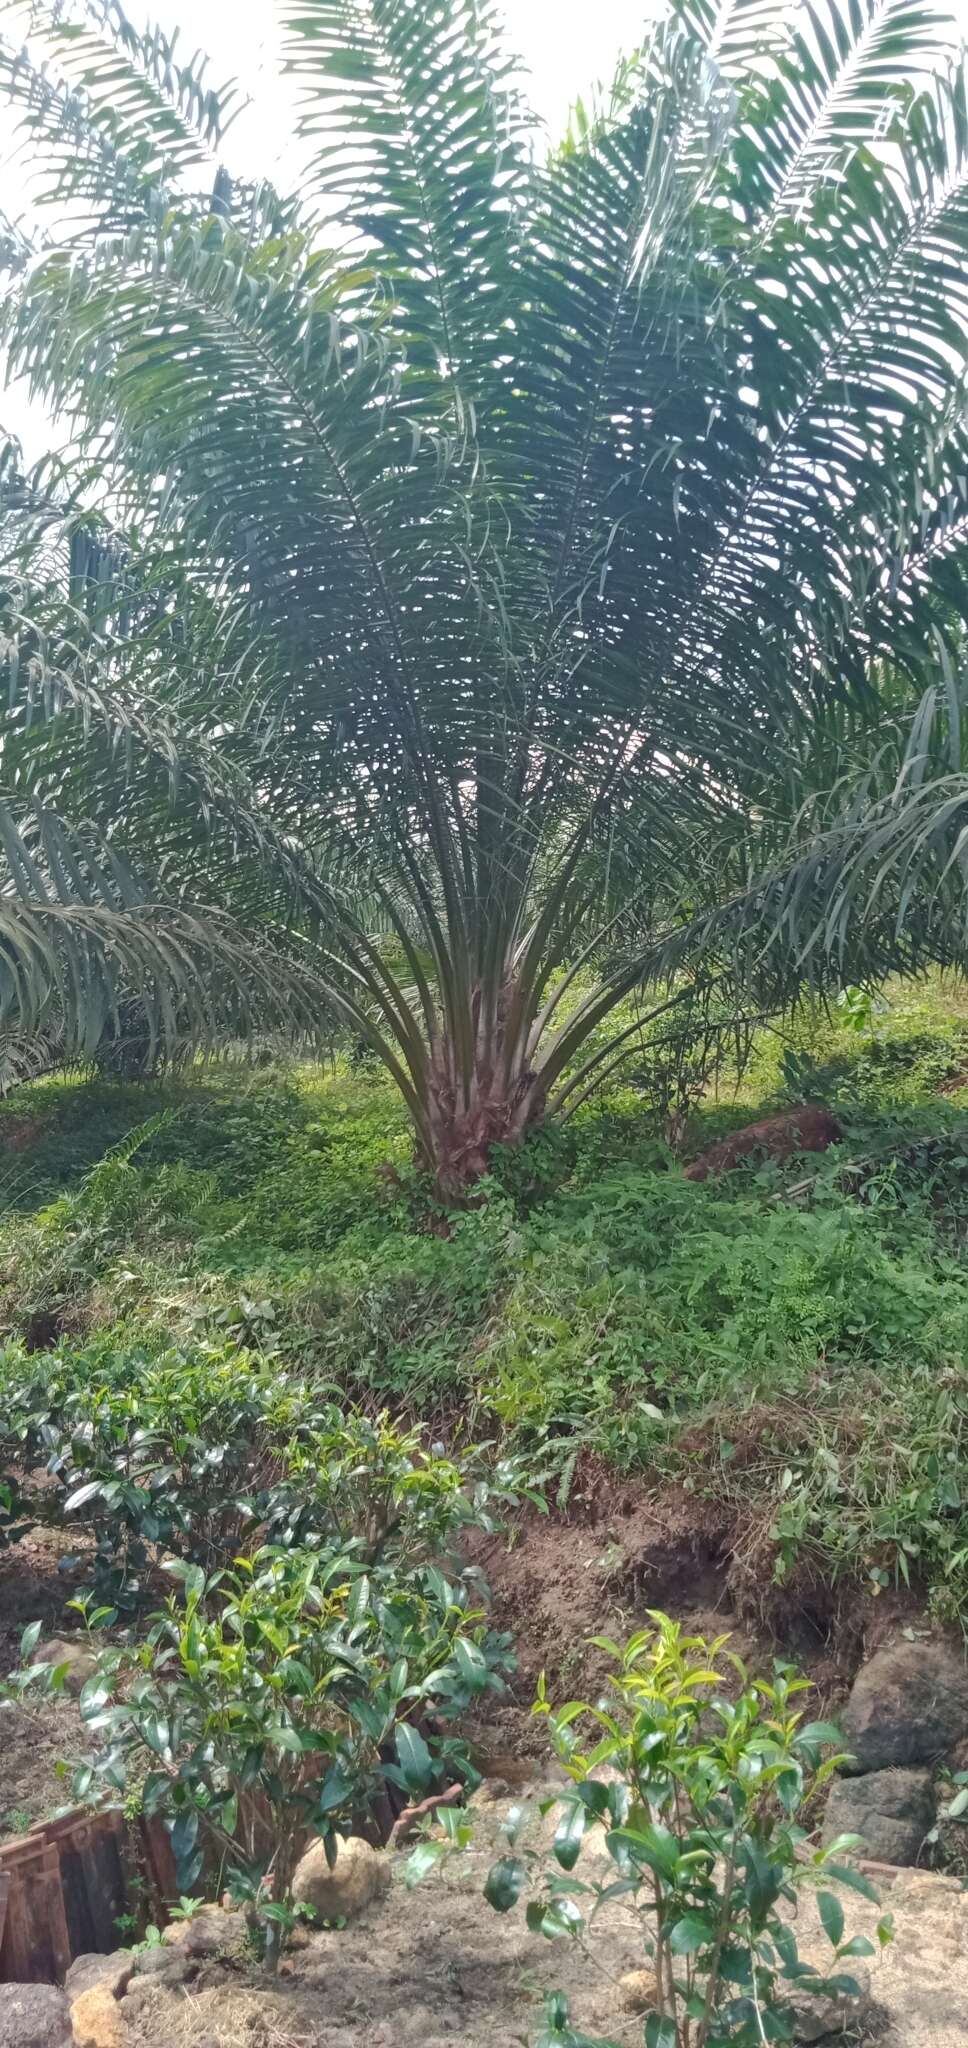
(207, 1933)
(115, 1970)
(34, 2016)
(168, 1966)
(96, 2019)
(907, 1706)
(933, 1894)
(815, 2014)
(142, 1994)
(636, 1991)
(211, 1975)
(891, 1810)
(361, 1875)
(81, 1665)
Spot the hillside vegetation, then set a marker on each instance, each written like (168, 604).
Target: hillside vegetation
(790, 1340)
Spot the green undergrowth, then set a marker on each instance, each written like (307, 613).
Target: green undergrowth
(791, 1340)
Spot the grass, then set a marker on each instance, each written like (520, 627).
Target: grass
(790, 1341)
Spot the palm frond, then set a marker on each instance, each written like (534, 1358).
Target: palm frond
(120, 119)
(81, 935)
(417, 140)
(511, 564)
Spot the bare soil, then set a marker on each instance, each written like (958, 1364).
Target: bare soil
(620, 1553)
(435, 1967)
(35, 1586)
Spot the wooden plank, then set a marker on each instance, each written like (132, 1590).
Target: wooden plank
(14, 1954)
(104, 1880)
(41, 1963)
(64, 1887)
(160, 1864)
(59, 1937)
(77, 1905)
(68, 1823)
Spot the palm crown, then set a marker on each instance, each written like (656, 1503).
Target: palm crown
(521, 572)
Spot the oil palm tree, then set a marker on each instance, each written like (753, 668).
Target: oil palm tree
(521, 578)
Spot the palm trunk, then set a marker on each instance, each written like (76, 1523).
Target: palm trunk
(466, 1118)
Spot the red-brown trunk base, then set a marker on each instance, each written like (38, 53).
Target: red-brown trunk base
(464, 1135)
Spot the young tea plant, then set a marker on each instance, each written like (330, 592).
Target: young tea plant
(266, 1705)
(702, 1808)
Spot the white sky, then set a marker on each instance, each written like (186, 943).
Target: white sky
(565, 46)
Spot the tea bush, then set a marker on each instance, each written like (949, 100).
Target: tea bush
(270, 1704)
(187, 1452)
(704, 1816)
(167, 1453)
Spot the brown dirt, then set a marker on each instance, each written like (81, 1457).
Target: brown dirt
(38, 1576)
(558, 1582)
(806, 1129)
(33, 1747)
(20, 1133)
(434, 1967)
(33, 1743)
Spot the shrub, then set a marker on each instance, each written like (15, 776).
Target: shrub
(644, 1287)
(165, 1453)
(192, 1450)
(262, 1706)
(370, 1485)
(703, 1815)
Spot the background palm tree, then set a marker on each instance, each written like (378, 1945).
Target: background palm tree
(521, 579)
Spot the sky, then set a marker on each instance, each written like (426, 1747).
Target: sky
(565, 46)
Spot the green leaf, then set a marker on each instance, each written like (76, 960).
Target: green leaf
(558, 2031)
(336, 1788)
(843, 1986)
(821, 1733)
(505, 1878)
(154, 1727)
(416, 1762)
(569, 1834)
(184, 1835)
(854, 1879)
(832, 1916)
(554, 1917)
(284, 1737)
(29, 1640)
(858, 1945)
(654, 1846)
(692, 1931)
(82, 1494)
(425, 1858)
(470, 1663)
